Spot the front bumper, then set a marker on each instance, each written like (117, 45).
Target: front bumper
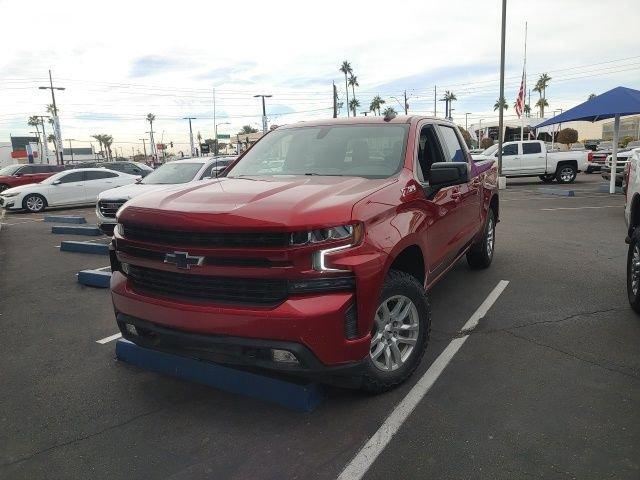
(314, 322)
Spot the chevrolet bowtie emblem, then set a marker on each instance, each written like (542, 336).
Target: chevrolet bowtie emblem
(183, 260)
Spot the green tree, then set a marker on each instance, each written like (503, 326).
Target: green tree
(353, 83)
(389, 112)
(353, 104)
(448, 98)
(107, 140)
(501, 102)
(99, 138)
(591, 96)
(527, 110)
(541, 88)
(246, 129)
(34, 121)
(466, 135)
(346, 69)
(625, 141)
(541, 103)
(376, 103)
(567, 136)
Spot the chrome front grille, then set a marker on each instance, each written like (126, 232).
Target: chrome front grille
(108, 208)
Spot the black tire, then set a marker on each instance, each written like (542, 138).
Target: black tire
(634, 271)
(3, 187)
(547, 178)
(399, 284)
(34, 203)
(480, 255)
(566, 173)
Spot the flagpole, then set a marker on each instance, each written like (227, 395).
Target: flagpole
(524, 84)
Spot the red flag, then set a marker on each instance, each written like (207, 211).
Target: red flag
(520, 99)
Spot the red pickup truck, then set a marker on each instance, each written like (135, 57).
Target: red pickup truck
(313, 255)
(16, 175)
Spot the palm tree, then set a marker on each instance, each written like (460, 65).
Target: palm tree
(353, 104)
(541, 103)
(541, 88)
(353, 82)
(389, 112)
(501, 102)
(150, 118)
(346, 69)
(99, 138)
(34, 121)
(592, 96)
(107, 140)
(527, 110)
(247, 129)
(448, 98)
(52, 138)
(376, 103)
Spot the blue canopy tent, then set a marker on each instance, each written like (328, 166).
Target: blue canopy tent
(615, 103)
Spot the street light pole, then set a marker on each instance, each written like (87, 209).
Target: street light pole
(191, 134)
(501, 97)
(44, 137)
(264, 112)
(466, 122)
(56, 121)
(144, 147)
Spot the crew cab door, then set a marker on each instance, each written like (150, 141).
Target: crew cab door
(468, 194)
(68, 191)
(439, 230)
(533, 158)
(511, 161)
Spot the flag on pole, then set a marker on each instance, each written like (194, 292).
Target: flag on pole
(521, 96)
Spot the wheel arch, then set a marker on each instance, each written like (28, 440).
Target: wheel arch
(409, 258)
(634, 213)
(44, 198)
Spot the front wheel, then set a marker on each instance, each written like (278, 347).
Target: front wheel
(633, 272)
(34, 203)
(547, 178)
(400, 333)
(566, 174)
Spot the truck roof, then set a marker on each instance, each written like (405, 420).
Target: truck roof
(398, 119)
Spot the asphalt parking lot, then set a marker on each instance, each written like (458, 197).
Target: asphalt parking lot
(546, 386)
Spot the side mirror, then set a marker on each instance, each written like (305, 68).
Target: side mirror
(18, 174)
(56, 182)
(444, 174)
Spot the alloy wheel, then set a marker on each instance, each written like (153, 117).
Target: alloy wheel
(395, 333)
(490, 237)
(635, 269)
(35, 203)
(566, 174)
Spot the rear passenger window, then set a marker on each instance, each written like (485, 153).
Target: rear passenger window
(100, 175)
(72, 177)
(531, 147)
(27, 170)
(452, 145)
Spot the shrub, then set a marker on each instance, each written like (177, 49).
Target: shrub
(486, 143)
(567, 136)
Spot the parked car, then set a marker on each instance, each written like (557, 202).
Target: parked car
(632, 217)
(532, 159)
(16, 175)
(132, 168)
(596, 161)
(621, 162)
(66, 188)
(173, 173)
(320, 268)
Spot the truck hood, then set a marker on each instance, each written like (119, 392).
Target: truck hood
(127, 192)
(282, 202)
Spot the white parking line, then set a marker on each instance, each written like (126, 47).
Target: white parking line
(582, 208)
(108, 267)
(363, 460)
(111, 338)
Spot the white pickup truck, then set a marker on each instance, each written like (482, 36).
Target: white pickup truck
(531, 159)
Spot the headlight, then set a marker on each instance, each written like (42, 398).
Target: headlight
(332, 234)
(7, 195)
(120, 229)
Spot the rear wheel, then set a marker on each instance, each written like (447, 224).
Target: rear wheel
(400, 333)
(566, 173)
(34, 203)
(633, 272)
(480, 254)
(547, 178)
(3, 186)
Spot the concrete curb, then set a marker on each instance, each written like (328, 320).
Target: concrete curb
(72, 230)
(84, 247)
(64, 219)
(302, 397)
(95, 278)
(554, 191)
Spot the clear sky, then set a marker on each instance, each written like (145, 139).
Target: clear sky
(121, 60)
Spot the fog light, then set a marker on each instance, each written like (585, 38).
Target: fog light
(131, 329)
(283, 356)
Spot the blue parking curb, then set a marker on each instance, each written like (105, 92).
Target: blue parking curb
(64, 219)
(558, 192)
(302, 397)
(84, 247)
(75, 230)
(604, 187)
(95, 278)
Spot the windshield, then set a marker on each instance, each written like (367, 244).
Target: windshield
(490, 151)
(173, 173)
(370, 151)
(10, 170)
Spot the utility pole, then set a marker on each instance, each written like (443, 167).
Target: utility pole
(190, 134)
(56, 121)
(501, 97)
(435, 101)
(144, 147)
(406, 105)
(133, 154)
(264, 112)
(466, 122)
(71, 148)
(335, 101)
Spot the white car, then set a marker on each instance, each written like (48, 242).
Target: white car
(632, 217)
(173, 173)
(532, 159)
(67, 188)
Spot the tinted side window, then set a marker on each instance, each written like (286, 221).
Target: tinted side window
(531, 147)
(27, 170)
(116, 167)
(73, 177)
(41, 168)
(99, 175)
(207, 171)
(511, 149)
(452, 145)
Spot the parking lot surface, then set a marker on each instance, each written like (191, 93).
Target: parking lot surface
(546, 386)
